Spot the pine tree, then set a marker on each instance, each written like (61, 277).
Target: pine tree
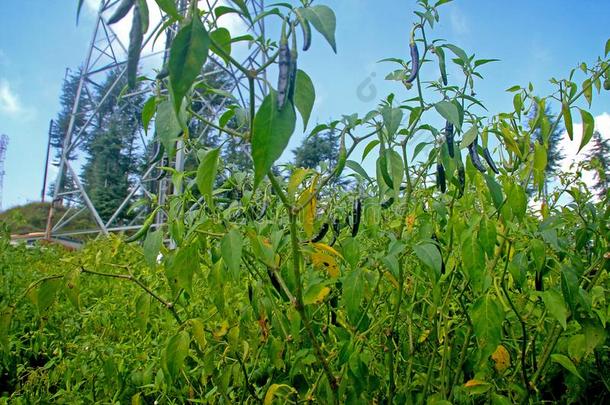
(599, 160)
(113, 159)
(61, 123)
(553, 145)
(321, 147)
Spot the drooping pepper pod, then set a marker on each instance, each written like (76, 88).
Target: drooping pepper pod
(414, 58)
(305, 27)
(356, 215)
(490, 161)
(321, 234)
(136, 37)
(474, 156)
(121, 11)
(292, 79)
(449, 134)
(283, 82)
(461, 181)
(441, 181)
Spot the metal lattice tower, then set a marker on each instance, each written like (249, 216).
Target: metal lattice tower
(3, 146)
(106, 53)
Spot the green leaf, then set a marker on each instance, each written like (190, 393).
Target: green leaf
(220, 43)
(271, 132)
(473, 262)
(182, 267)
(469, 137)
(169, 8)
(459, 52)
(369, 147)
(587, 89)
(324, 21)
(167, 126)
(355, 166)
(353, 291)
(231, 249)
(176, 351)
(304, 96)
(487, 236)
(566, 363)
(607, 50)
(80, 6)
(595, 336)
(587, 128)
(5, 326)
(72, 287)
(392, 117)
(188, 53)
(148, 112)
(487, 318)
(152, 246)
(449, 112)
(553, 301)
(45, 294)
(142, 310)
(206, 173)
(429, 255)
(494, 190)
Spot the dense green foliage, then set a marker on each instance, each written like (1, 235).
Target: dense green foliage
(33, 217)
(270, 285)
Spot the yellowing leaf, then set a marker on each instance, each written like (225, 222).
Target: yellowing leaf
(275, 389)
(502, 358)
(325, 261)
(315, 294)
(296, 179)
(222, 330)
(325, 247)
(474, 383)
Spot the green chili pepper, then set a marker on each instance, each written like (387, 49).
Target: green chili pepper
(342, 159)
(136, 36)
(121, 11)
(293, 69)
(490, 161)
(145, 227)
(305, 27)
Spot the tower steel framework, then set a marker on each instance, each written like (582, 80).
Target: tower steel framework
(3, 146)
(106, 52)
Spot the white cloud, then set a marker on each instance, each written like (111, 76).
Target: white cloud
(570, 148)
(459, 21)
(9, 101)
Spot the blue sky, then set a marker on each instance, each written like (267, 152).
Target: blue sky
(534, 40)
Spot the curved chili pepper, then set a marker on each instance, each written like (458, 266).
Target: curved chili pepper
(490, 161)
(474, 156)
(441, 181)
(321, 234)
(306, 27)
(449, 138)
(136, 36)
(414, 62)
(121, 11)
(387, 203)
